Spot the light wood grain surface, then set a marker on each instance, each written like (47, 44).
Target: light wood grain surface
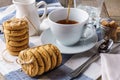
(113, 8)
(5, 2)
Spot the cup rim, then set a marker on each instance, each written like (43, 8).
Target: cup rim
(67, 24)
(22, 2)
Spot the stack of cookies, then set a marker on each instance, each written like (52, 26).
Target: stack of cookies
(113, 29)
(16, 35)
(40, 59)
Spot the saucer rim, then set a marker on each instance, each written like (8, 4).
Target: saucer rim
(77, 52)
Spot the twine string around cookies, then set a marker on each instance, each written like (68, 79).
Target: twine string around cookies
(3, 52)
(32, 25)
(18, 60)
(4, 58)
(22, 62)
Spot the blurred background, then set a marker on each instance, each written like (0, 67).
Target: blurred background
(5, 2)
(8, 2)
(112, 6)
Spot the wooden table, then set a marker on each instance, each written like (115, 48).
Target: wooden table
(5, 2)
(111, 9)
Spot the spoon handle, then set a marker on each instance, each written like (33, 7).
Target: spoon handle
(84, 66)
(103, 48)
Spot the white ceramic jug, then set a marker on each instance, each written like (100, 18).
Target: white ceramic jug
(28, 9)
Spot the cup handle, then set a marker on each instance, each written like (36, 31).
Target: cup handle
(85, 35)
(45, 10)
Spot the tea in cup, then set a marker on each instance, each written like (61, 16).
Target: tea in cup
(68, 33)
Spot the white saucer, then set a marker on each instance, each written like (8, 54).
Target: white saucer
(83, 45)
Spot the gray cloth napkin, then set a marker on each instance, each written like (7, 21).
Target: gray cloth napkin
(69, 64)
(59, 73)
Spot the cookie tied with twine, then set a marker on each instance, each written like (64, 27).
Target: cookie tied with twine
(16, 33)
(38, 60)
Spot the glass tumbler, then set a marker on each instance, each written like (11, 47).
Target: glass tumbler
(93, 7)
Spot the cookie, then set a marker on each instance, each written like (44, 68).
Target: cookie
(14, 53)
(105, 23)
(11, 48)
(15, 33)
(57, 52)
(113, 24)
(39, 61)
(15, 24)
(43, 59)
(46, 58)
(29, 63)
(22, 59)
(52, 56)
(17, 43)
(17, 38)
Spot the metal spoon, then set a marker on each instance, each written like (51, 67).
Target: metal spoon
(104, 47)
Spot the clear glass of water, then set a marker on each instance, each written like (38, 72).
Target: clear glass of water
(93, 7)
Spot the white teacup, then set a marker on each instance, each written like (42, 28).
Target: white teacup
(68, 34)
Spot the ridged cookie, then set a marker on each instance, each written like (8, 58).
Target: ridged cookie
(11, 48)
(17, 43)
(52, 56)
(39, 61)
(15, 24)
(57, 52)
(45, 57)
(17, 38)
(16, 33)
